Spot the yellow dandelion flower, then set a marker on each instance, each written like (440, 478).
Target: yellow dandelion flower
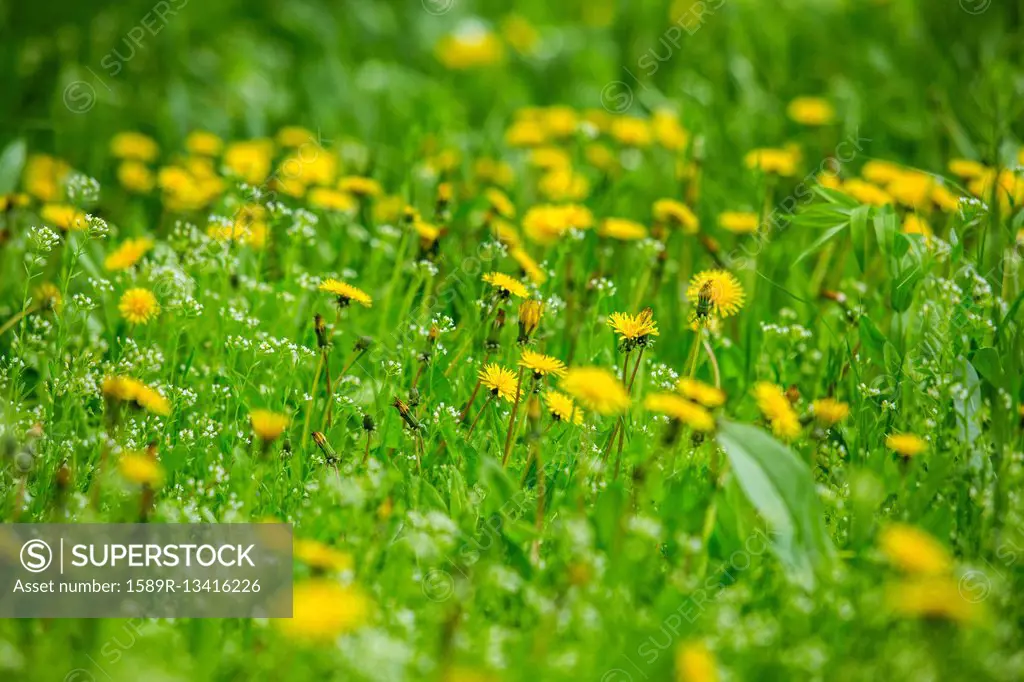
(141, 469)
(506, 286)
(132, 145)
(865, 192)
(47, 296)
(776, 408)
(906, 444)
(622, 229)
(136, 177)
(634, 330)
(360, 186)
(699, 392)
(881, 172)
(541, 365)
(500, 202)
(945, 199)
(138, 306)
(668, 131)
(915, 224)
(968, 169)
(829, 411)
(778, 161)
(715, 292)
(933, 597)
(121, 388)
(322, 557)
(695, 663)
(267, 425)
(332, 200)
(152, 401)
(562, 408)
(346, 293)
(249, 159)
(528, 265)
(738, 222)
(501, 382)
(530, 312)
(677, 214)
(563, 184)
(681, 409)
(294, 136)
(912, 189)
(811, 111)
(631, 131)
(597, 389)
(323, 609)
(128, 254)
(472, 48)
(203, 143)
(914, 551)
(44, 176)
(67, 218)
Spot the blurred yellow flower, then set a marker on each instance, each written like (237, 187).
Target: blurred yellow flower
(128, 253)
(249, 159)
(622, 229)
(63, 217)
(966, 168)
(138, 306)
(597, 389)
(267, 425)
(329, 199)
(631, 131)
(203, 143)
(136, 146)
(323, 609)
(680, 409)
(914, 551)
(776, 408)
(472, 47)
(695, 663)
(906, 444)
(738, 222)
(699, 392)
(865, 192)
(141, 469)
(811, 111)
(676, 214)
(934, 598)
(44, 176)
(322, 557)
(136, 177)
(360, 186)
(829, 411)
(769, 160)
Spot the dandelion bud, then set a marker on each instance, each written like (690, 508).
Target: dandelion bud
(403, 411)
(363, 343)
(321, 442)
(530, 312)
(368, 423)
(444, 194)
(414, 397)
(320, 327)
(23, 461)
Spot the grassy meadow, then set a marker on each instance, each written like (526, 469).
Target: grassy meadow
(594, 340)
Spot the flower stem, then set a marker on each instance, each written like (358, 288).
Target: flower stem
(479, 414)
(512, 420)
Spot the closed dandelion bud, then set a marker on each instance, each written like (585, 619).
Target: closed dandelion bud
(321, 442)
(530, 312)
(432, 336)
(793, 394)
(63, 477)
(23, 461)
(364, 343)
(368, 423)
(320, 327)
(403, 411)
(710, 244)
(837, 296)
(411, 215)
(414, 397)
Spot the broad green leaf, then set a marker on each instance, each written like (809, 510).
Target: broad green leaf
(987, 363)
(781, 488)
(12, 160)
(834, 196)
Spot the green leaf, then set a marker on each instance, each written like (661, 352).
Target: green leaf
(12, 160)
(872, 339)
(903, 287)
(781, 488)
(859, 235)
(988, 365)
(834, 196)
(820, 241)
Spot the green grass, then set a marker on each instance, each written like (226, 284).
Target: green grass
(769, 553)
